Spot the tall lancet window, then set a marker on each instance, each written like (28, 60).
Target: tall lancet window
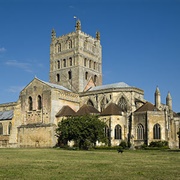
(157, 131)
(39, 102)
(30, 102)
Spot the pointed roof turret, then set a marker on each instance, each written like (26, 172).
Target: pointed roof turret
(168, 96)
(157, 90)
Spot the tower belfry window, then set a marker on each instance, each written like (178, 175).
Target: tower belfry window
(58, 64)
(85, 62)
(57, 77)
(86, 75)
(69, 44)
(70, 74)
(64, 62)
(70, 61)
(59, 47)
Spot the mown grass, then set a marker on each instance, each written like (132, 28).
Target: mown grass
(105, 165)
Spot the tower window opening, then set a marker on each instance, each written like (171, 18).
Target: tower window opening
(64, 62)
(85, 62)
(94, 65)
(70, 61)
(70, 44)
(95, 78)
(70, 74)
(58, 64)
(57, 77)
(59, 47)
(90, 64)
(86, 75)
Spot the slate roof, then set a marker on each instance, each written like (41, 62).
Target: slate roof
(147, 107)
(86, 110)
(54, 85)
(110, 86)
(66, 111)
(6, 115)
(112, 109)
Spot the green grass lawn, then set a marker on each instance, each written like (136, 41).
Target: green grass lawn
(98, 164)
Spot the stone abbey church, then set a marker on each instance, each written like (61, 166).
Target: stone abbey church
(75, 88)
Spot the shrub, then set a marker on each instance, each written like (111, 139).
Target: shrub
(123, 145)
(160, 144)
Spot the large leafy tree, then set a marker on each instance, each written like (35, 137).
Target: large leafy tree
(85, 131)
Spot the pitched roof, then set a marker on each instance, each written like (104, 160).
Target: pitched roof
(65, 111)
(55, 85)
(112, 109)
(86, 110)
(147, 107)
(110, 86)
(6, 115)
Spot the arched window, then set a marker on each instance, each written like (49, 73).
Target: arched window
(140, 132)
(123, 104)
(85, 62)
(39, 102)
(86, 75)
(90, 64)
(64, 62)
(59, 47)
(9, 128)
(94, 65)
(30, 102)
(58, 64)
(157, 131)
(70, 74)
(1, 129)
(90, 103)
(70, 61)
(117, 132)
(58, 77)
(69, 44)
(95, 78)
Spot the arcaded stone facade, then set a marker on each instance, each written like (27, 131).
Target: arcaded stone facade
(74, 88)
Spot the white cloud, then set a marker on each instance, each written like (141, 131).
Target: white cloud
(25, 66)
(15, 89)
(2, 50)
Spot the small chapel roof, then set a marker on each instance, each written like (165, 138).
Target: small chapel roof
(147, 107)
(6, 115)
(65, 111)
(112, 109)
(86, 110)
(110, 86)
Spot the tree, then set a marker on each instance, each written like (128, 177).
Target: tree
(85, 131)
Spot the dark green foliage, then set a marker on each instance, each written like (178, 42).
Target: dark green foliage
(158, 144)
(123, 145)
(85, 131)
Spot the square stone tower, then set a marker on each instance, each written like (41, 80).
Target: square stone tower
(75, 60)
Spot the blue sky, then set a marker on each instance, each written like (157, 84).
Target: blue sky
(140, 41)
